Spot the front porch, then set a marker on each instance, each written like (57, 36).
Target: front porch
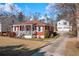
(23, 30)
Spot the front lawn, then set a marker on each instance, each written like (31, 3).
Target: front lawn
(16, 46)
(46, 39)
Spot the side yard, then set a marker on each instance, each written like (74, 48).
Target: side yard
(72, 47)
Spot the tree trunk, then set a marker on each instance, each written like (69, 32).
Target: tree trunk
(77, 18)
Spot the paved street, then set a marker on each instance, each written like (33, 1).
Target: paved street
(55, 48)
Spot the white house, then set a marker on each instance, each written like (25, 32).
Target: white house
(63, 26)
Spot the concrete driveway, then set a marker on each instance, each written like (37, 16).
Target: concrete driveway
(55, 48)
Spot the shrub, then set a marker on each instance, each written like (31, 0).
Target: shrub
(11, 34)
(46, 33)
(71, 34)
(51, 36)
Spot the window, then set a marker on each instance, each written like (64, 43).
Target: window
(14, 28)
(46, 27)
(59, 23)
(34, 28)
(12, 21)
(59, 27)
(21, 28)
(39, 29)
(28, 27)
(65, 23)
(66, 27)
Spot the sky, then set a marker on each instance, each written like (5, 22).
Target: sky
(32, 7)
(27, 8)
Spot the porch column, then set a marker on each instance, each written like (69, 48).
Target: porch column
(13, 28)
(19, 27)
(24, 27)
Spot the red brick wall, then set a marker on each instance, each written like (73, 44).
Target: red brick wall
(41, 33)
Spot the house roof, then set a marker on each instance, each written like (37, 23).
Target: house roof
(34, 22)
(63, 20)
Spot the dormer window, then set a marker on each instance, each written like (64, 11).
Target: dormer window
(59, 23)
(65, 23)
(12, 21)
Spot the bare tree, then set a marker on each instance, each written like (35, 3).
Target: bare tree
(65, 11)
(77, 18)
(20, 16)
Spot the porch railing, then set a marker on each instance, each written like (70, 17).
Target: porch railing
(22, 33)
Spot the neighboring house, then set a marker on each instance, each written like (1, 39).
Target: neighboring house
(6, 23)
(31, 29)
(63, 26)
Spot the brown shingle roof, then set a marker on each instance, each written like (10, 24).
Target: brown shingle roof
(35, 22)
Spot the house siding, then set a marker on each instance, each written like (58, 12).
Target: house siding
(41, 33)
(7, 22)
(63, 26)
